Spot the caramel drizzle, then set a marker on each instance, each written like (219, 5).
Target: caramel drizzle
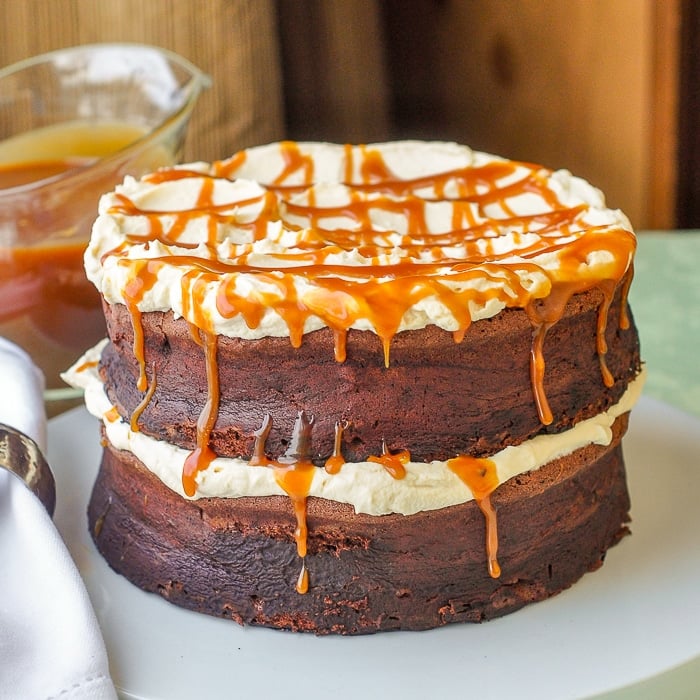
(341, 294)
(473, 236)
(112, 415)
(203, 455)
(294, 472)
(480, 477)
(393, 462)
(335, 461)
(88, 364)
(141, 407)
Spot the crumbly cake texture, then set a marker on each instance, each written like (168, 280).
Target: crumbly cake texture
(350, 389)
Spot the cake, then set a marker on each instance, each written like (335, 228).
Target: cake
(352, 389)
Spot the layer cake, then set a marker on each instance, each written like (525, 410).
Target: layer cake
(349, 389)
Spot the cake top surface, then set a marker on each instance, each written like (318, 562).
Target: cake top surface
(286, 238)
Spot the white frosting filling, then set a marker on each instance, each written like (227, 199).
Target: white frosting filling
(364, 485)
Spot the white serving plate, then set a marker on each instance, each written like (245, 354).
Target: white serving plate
(636, 617)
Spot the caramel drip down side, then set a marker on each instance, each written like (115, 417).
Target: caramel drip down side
(393, 462)
(543, 314)
(607, 287)
(335, 461)
(480, 477)
(294, 472)
(136, 414)
(138, 346)
(203, 455)
(137, 286)
(624, 309)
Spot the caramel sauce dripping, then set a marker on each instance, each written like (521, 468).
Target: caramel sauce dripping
(481, 479)
(294, 473)
(136, 415)
(335, 461)
(100, 521)
(393, 462)
(203, 454)
(544, 313)
(303, 580)
(608, 289)
(144, 275)
(86, 365)
(138, 346)
(624, 307)
(112, 415)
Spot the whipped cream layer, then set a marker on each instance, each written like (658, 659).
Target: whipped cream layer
(367, 486)
(287, 238)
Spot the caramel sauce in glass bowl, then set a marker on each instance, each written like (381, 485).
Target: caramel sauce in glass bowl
(47, 305)
(73, 124)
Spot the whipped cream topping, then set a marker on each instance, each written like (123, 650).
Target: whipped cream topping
(286, 238)
(367, 486)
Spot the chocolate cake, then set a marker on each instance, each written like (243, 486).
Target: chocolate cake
(350, 389)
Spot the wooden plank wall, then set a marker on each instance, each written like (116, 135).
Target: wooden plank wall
(688, 176)
(587, 85)
(234, 41)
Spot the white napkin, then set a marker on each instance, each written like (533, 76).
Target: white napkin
(50, 643)
(21, 393)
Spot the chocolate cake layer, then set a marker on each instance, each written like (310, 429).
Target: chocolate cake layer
(438, 398)
(237, 558)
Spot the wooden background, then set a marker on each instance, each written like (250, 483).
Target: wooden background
(589, 85)
(234, 41)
